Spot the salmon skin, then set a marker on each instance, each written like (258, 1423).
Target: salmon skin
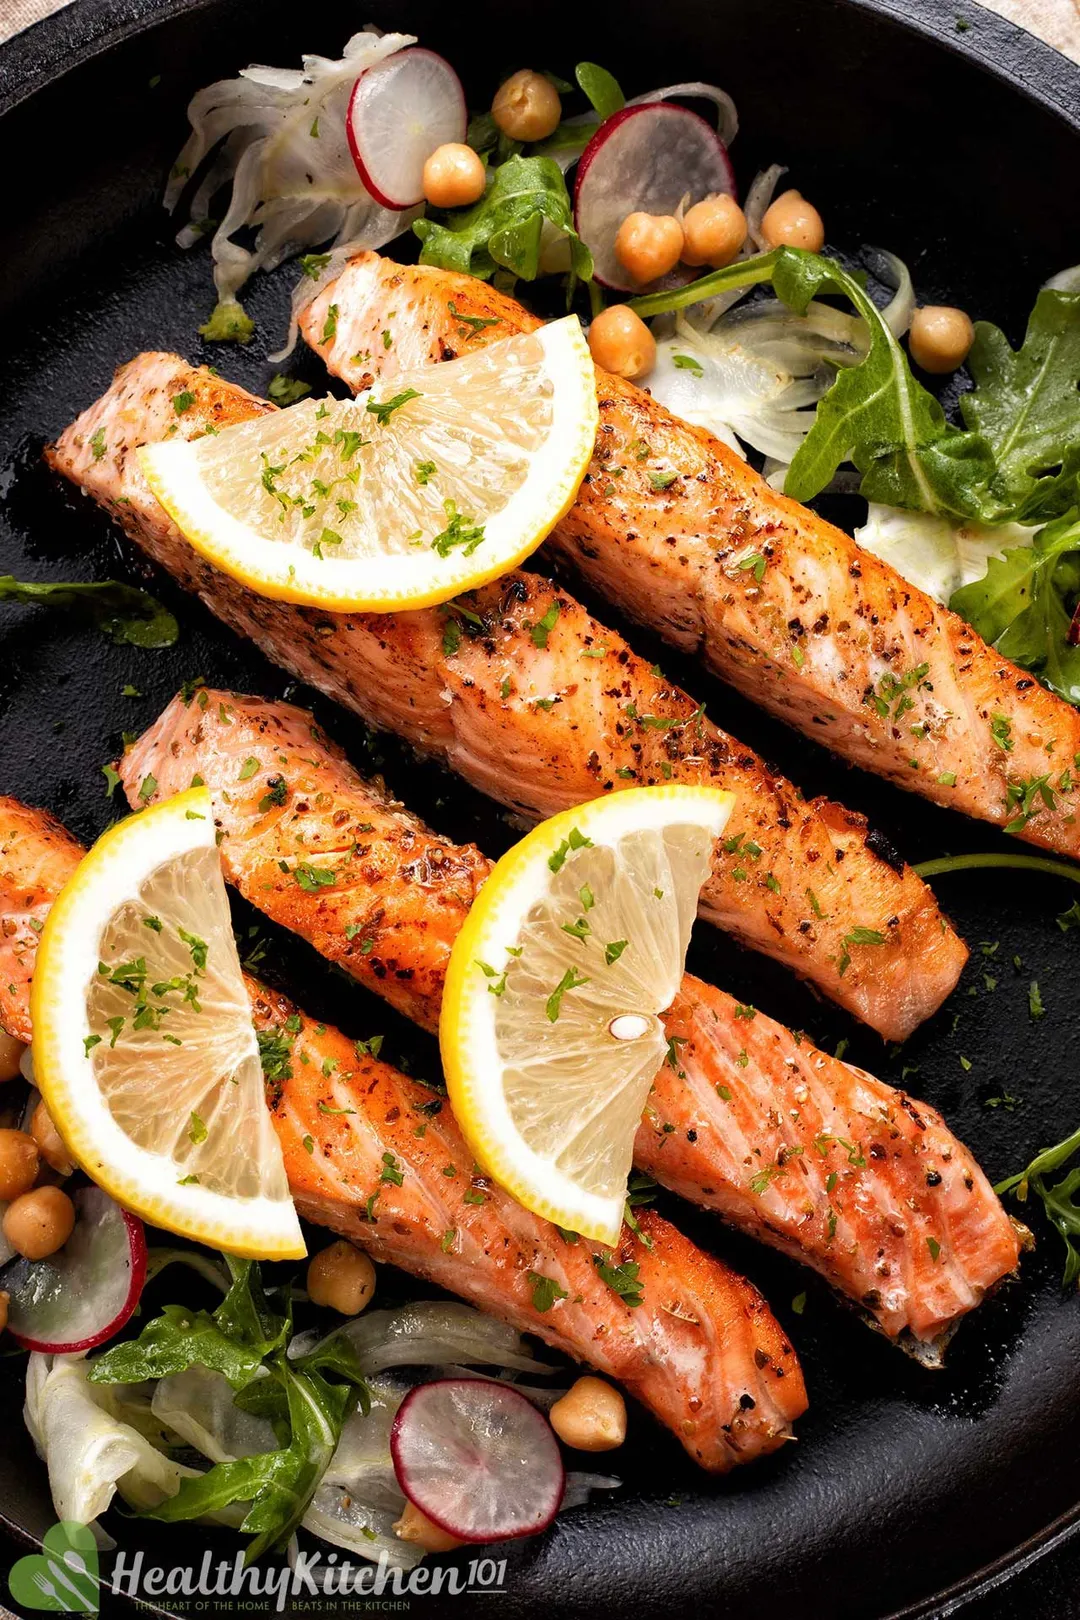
(379, 1159)
(775, 600)
(814, 1156)
(544, 727)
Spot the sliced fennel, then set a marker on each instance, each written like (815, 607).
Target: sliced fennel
(934, 554)
(100, 1438)
(755, 373)
(286, 157)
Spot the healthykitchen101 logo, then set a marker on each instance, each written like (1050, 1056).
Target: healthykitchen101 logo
(64, 1578)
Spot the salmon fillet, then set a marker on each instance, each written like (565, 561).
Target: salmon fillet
(543, 728)
(818, 631)
(818, 1158)
(37, 856)
(389, 1169)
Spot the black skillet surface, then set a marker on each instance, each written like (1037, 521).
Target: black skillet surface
(903, 1483)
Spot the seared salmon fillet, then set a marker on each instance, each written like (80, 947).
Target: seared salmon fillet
(544, 727)
(775, 600)
(37, 856)
(388, 1168)
(816, 1157)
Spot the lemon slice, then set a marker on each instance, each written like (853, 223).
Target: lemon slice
(402, 497)
(550, 1027)
(144, 1048)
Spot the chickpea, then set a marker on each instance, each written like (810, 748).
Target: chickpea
(5, 1300)
(590, 1417)
(649, 245)
(50, 1143)
(342, 1278)
(527, 107)
(18, 1164)
(621, 342)
(454, 176)
(39, 1222)
(791, 221)
(416, 1526)
(940, 338)
(713, 232)
(11, 1052)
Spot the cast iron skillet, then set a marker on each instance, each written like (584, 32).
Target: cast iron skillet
(949, 139)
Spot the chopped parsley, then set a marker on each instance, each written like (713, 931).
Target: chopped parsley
(857, 936)
(275, 1054)
(287, 390)
(313, 878)
(543, 627)
(575, 841)
(621, 1279)
(276, 793)
(460, 531)
(545, 1291)
(384, 410)
(312, 265)
(571, 980)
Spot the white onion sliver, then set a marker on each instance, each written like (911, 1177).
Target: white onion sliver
(728, 126)
(895, 273)
(758, 199)
(287, 156)
(1065, 280)
(430, 1333)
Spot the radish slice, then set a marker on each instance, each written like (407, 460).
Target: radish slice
(695, 89)
(399, 112)
(477, 1459)
(85, 1293)
(645, 158)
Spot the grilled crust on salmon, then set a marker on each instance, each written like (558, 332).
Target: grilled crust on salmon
(823, 634)
(818, 1158)
(543, 728)
(37, 856)
(702, 1351)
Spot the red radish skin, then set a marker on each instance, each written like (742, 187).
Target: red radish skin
(85, 1200)
(447, 121)
(645, 159)
(442, 1466)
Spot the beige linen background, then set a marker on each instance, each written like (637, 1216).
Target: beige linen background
(1056, 21)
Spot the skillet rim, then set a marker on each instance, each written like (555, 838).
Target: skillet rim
(40, 55)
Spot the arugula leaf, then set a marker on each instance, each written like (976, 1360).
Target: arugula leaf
(1059, 1198)
(126, 614)
(601, 87)
(877, 416)
(1025, 406)
(1023, 605)
(246, 1341)
(278, 1484)
(172, 1342)
(504, 228)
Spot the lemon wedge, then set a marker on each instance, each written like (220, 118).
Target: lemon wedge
(550, 1028)
(399, 498)
(143, 1046)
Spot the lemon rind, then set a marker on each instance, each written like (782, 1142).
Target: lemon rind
(258, 1228)
(344, 584)
(466, 1027)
